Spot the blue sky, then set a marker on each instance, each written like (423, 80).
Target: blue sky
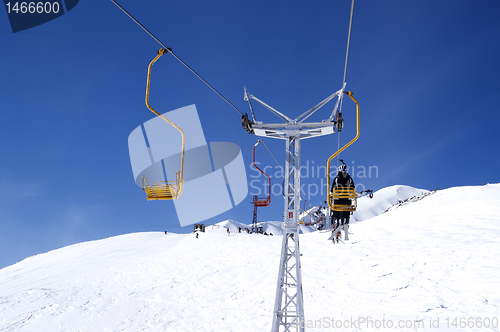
(426, 75)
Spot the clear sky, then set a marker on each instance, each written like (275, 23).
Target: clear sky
(426, 75)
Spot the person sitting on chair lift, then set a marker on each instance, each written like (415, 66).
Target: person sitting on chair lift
(342, 180)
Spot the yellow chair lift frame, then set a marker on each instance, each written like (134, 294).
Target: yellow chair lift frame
(164, 190)
(343, 192)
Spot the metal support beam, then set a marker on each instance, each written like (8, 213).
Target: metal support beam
(289, 304)
(254, 220)
(288, 313)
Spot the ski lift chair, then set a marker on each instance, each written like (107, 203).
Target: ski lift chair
(164, 190)
(261, 201)
(342, 193)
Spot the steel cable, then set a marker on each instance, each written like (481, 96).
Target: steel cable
(175, 56)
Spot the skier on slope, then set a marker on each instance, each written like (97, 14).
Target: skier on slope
(342, 180)
(228, 231)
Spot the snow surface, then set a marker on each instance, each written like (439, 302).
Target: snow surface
(270, 227)
(384, 199)
(434, 258)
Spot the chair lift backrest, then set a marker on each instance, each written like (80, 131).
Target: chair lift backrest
(267, 200)
(164, 189)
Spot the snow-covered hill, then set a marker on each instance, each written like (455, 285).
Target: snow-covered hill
(384, 199)
(433, 259)
(381, 201)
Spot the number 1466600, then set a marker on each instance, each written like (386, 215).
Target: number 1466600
(472, 322)
(33, 7)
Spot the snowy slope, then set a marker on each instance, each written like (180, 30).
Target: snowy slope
(269, 227)
(384, 199)
(381, 201)
(435, 258)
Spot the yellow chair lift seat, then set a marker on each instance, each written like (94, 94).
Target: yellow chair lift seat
(342, 193)
(164, 190)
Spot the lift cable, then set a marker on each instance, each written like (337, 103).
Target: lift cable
(348, 42)
(347, 50)
(170, 51)
(345, 70)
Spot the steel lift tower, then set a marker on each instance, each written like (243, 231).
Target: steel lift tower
(289, 304)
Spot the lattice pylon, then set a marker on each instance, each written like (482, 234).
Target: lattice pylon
(289, 303)
(254, 219)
